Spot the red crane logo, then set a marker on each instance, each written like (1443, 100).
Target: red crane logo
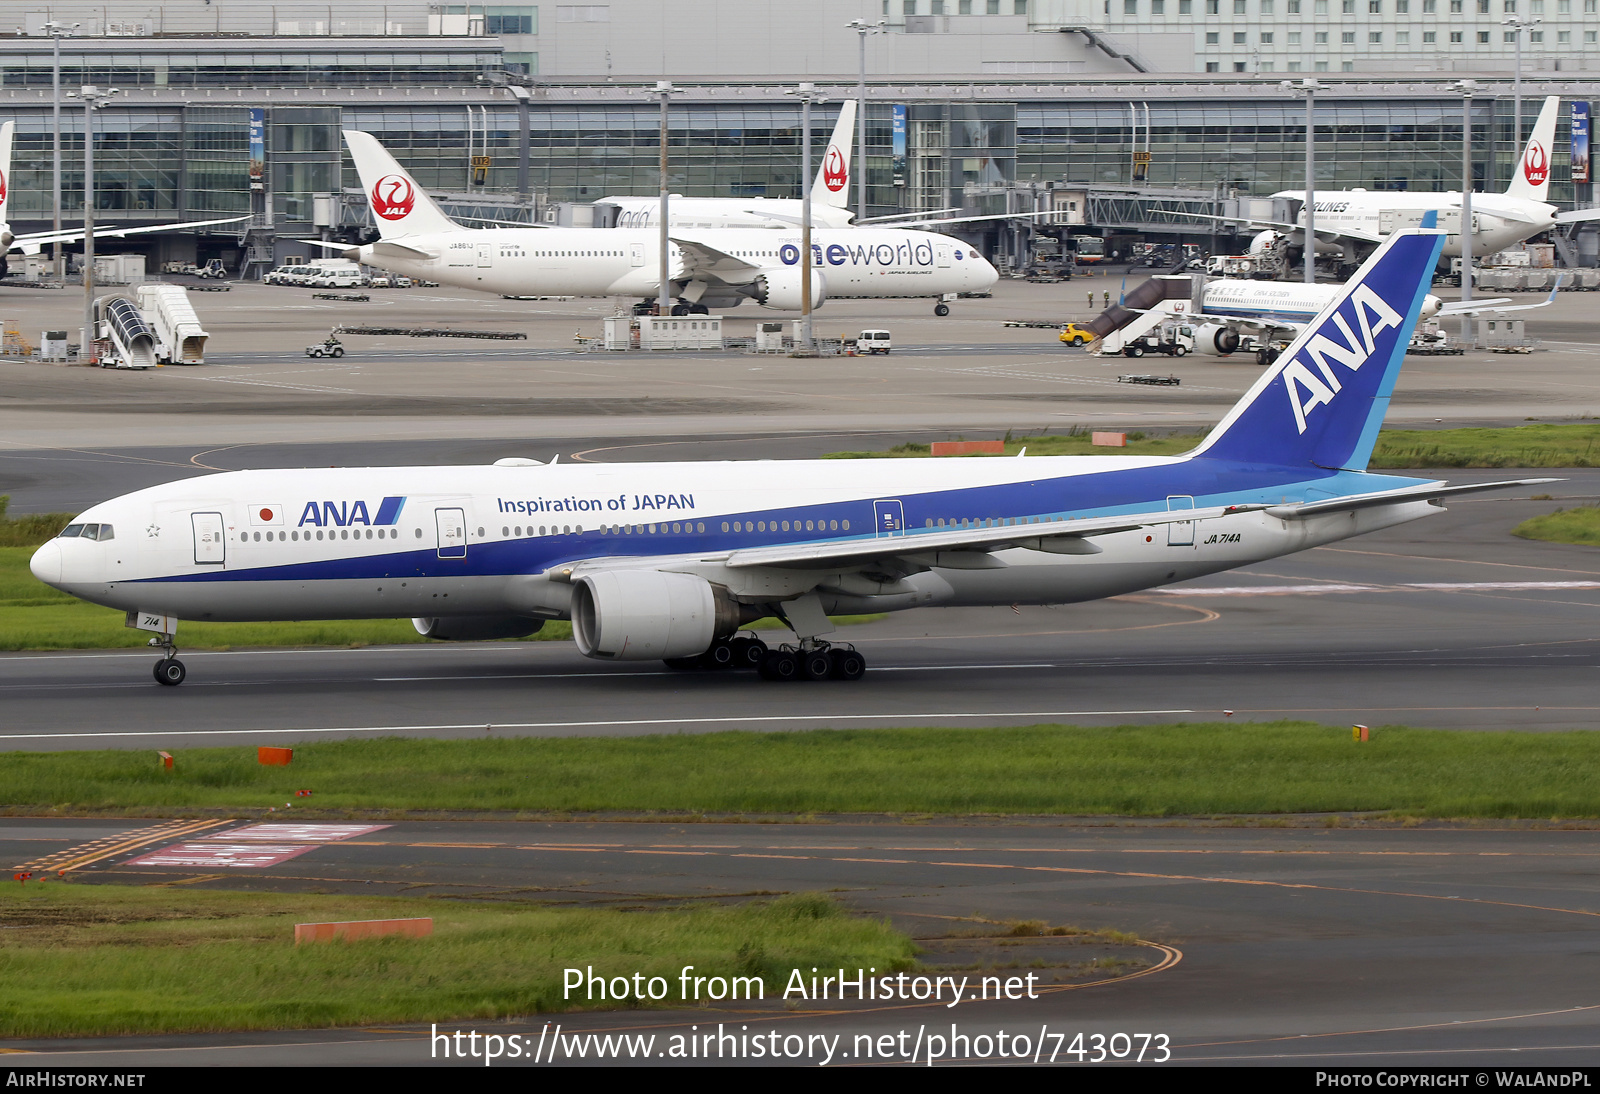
(2, 187)
(1535, 164)
(393, 197)
(834, 172)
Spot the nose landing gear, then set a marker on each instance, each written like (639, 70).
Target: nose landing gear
(168, 671)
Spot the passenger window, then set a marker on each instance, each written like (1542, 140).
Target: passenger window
(507, 531)
(71, 531)
(295, 536)
(699, 527)
(846, 525)
(724, 526)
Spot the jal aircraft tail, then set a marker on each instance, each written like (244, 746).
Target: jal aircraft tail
(832, 185)
(1531, 179)
(1322, 402)
(399, 206)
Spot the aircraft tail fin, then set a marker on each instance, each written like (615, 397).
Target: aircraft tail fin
(1531, 179)
(399, 206)
(832, 185)
(1324, 399)
(6, 132)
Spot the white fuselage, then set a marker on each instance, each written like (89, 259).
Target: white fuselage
(858, 263)
(1498, 221)
(1279, 302)
(475, 540)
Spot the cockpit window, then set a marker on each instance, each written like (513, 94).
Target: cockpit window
(106, 532)
(91, 531)
(72, 531)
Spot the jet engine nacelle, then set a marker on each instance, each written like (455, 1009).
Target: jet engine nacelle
(644, 615)
(476, 628)
(1216, 340)
(780, 289)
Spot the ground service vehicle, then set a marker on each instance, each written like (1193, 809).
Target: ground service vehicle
(1074, 335)
(873, 341)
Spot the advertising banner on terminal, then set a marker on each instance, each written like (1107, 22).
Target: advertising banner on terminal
(1580, 142)
(258, 147)
(899, 145)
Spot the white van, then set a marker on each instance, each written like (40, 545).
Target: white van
(873, 341)
(335, 273)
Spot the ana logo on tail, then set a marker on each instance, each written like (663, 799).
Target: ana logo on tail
(1373, 316)
(393, 197)
(834, 173)
(1535, 164)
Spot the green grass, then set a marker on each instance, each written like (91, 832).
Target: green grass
(1202, 769)
(1576, 445)
(98, 959)
(1579, 525)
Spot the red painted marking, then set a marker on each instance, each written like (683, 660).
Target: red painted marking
(1535, 164)
(963, 448)
(393, 197)
(226, 855)
(350, 930)
(834, 173)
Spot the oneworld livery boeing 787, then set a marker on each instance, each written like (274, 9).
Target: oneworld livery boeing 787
(670, 560)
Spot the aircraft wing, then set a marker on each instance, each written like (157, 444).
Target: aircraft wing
(704, 258)
(923, 546)
(37, 239)
(1475, 307)
(382, 247)
(1427, 492)
(1325, 234)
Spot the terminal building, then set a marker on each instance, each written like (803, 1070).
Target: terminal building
(1112, 113)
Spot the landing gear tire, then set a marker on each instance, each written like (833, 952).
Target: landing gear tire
(718, 657)
(170, 671)
(941, 310)
(816, 665)
(680, 309)
(748, 653)
(846, 664)
(699, 309)
(781, 665)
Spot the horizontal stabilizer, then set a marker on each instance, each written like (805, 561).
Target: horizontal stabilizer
(1430, 492)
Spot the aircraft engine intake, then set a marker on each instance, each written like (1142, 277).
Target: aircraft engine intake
(1216, 340)
(780, 289)
(645, 615)
(476, 628)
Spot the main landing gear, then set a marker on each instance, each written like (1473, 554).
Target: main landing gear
(168, 671)
(941, 309)
(810, 660)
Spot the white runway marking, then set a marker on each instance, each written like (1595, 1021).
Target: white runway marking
(910, 718)
(1428, 586)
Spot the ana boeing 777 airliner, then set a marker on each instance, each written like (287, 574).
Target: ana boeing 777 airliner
(671, 560)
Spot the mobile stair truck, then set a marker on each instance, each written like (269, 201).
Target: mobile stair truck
(180, 340)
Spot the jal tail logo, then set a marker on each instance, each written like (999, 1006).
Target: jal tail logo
(834, 172)
(393, 197)
(1535, 164)
(2, 187)
(1310, 378)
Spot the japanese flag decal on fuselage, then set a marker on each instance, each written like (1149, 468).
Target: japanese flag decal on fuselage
(1322, 402)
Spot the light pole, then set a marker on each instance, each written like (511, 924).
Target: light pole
(664, 92)
(807, 94)
(1309, 88)
(56, 31)
(93, 99)
(859, 160)
(1518, 23)
(1466, 88)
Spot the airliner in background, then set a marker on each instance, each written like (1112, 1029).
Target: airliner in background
(34, 242)
(1359, 220)
(1231, 309)
(669, 561)
(709, 267)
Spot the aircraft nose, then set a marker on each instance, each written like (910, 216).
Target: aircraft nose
(46, 563)
(987, 275)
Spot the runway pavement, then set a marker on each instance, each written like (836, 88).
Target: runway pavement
(1448, 621)
(1327, 946)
